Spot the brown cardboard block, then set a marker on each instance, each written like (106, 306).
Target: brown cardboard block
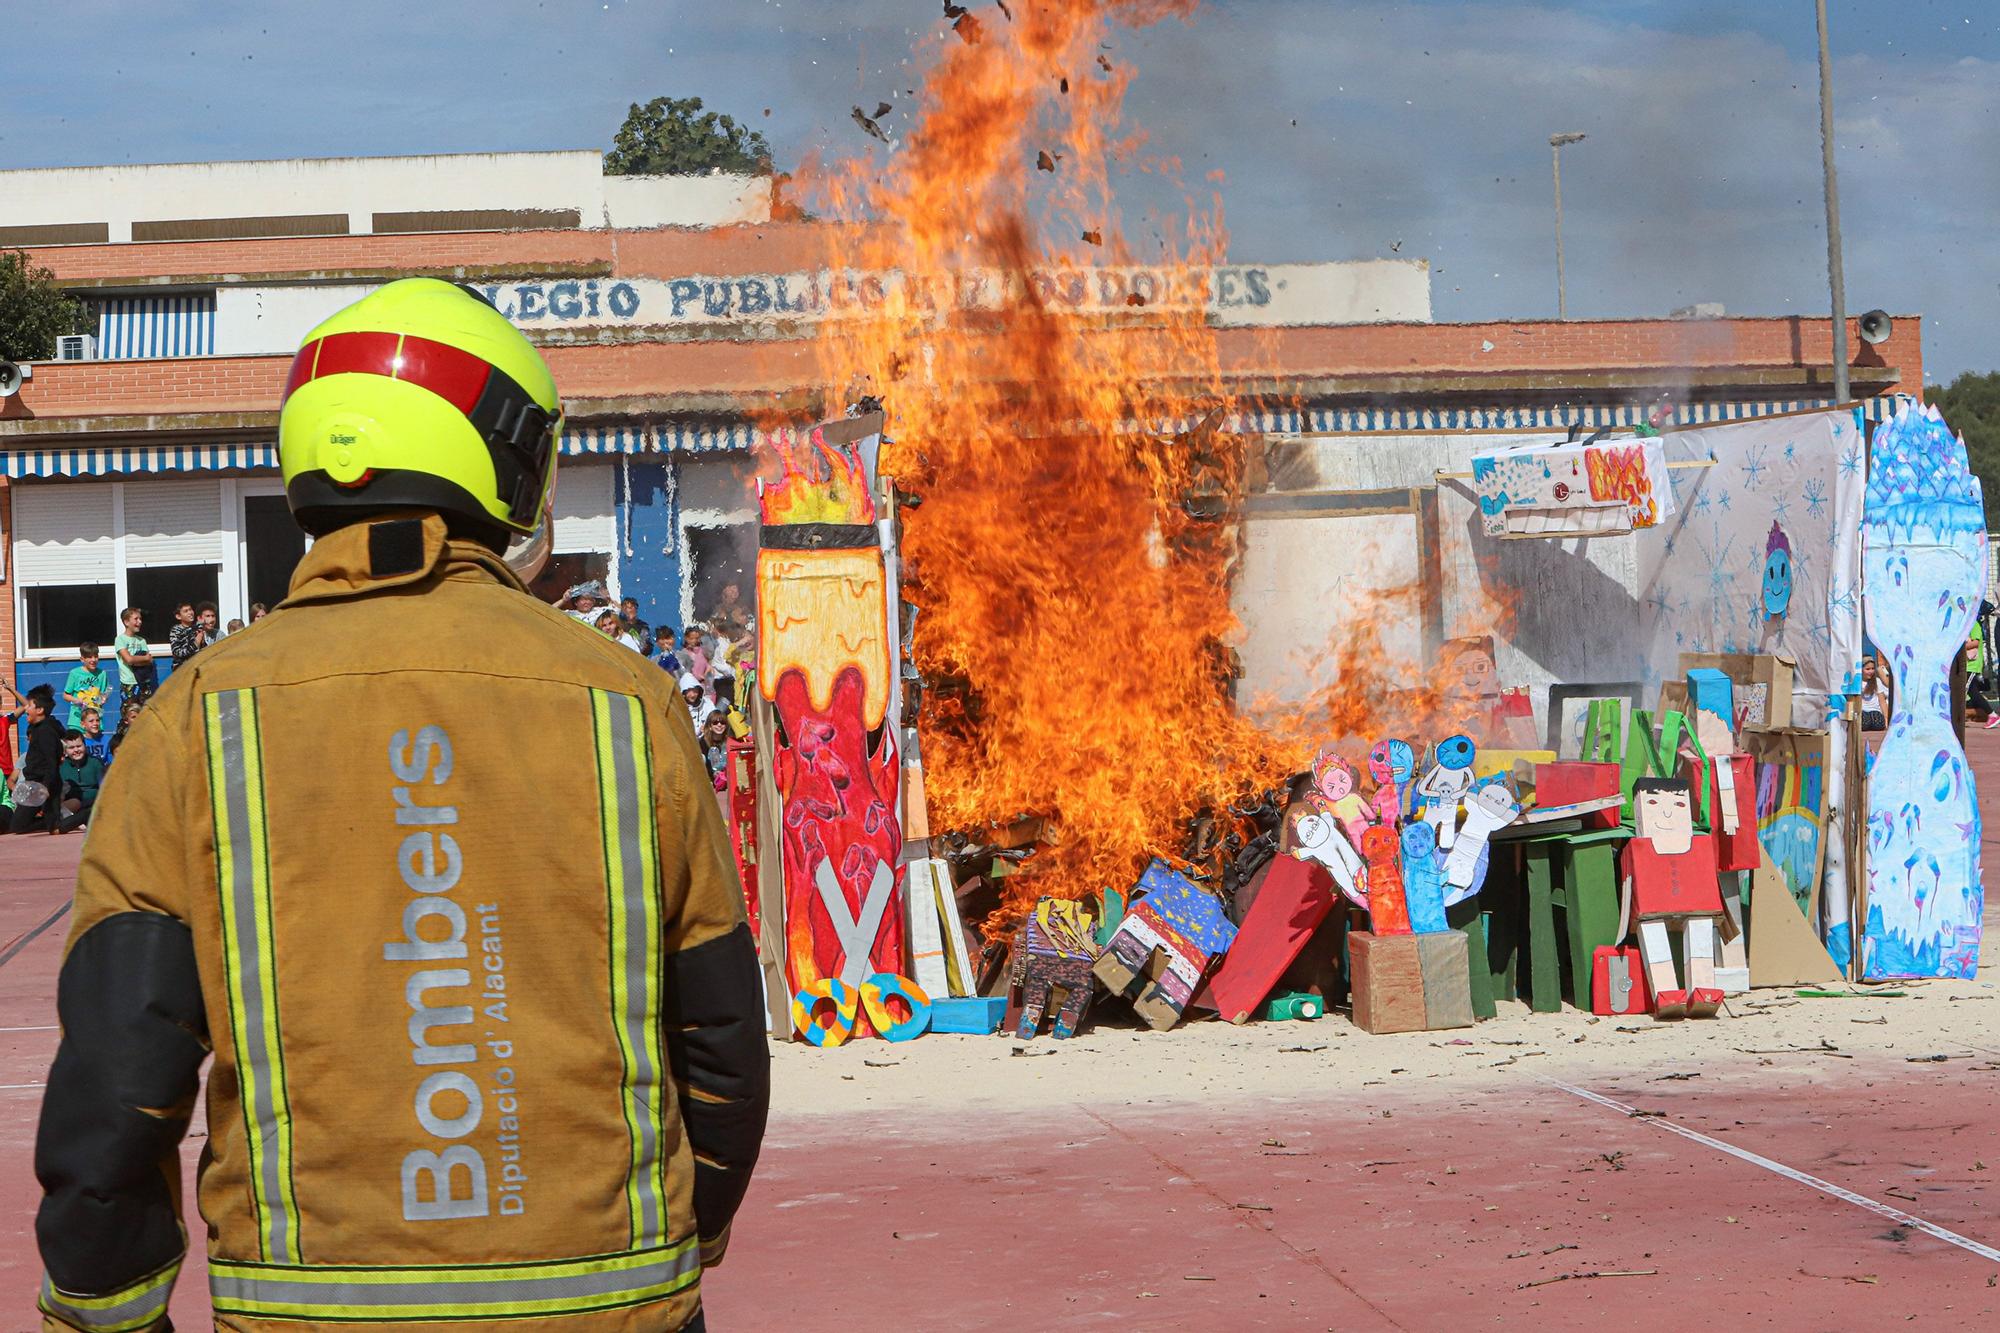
(1388, 983)
(1784, 950)
(1445, 958)
(1763, 683)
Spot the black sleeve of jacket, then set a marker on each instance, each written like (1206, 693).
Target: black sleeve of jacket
(715, 1043)
(118, 1100)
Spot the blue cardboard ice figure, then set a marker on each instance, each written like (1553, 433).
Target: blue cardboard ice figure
(1423, 879)
(1777, 573)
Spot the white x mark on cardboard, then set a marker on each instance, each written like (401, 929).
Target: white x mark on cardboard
(856, 934)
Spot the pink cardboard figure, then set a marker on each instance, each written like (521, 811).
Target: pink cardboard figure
(1333, 793)
(1391, 763)
(1668, 877)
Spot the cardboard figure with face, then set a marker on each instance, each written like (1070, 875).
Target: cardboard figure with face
(1663, 814)
(1334, 792)
(1668, 877)
(1490, 808)
(1391, 763)
(1449, 778)
(1319, 839)
(1777, 585)
(1388, 911)
(1423, 879)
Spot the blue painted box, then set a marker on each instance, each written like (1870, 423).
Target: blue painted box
(977, 1014)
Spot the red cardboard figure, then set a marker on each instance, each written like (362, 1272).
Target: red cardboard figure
(1388, 911)
(1668, 877)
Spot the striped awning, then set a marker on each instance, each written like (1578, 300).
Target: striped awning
(150, 326)
(126, 459)
(590, 439)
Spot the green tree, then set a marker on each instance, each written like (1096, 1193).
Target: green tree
(1971, 406)
(675, 137)
(34, 312)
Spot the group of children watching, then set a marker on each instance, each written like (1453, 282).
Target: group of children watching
(54, 786)
(706, 667)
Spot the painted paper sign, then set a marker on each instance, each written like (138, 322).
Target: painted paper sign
(1572, 489)
(1924, 535)
(823, 662)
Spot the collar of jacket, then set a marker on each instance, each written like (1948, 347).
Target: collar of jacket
(341, 563)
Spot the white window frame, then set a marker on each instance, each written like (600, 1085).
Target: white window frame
(610, 546)
(229, 594)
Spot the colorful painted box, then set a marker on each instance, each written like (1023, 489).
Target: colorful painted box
(1164, 946)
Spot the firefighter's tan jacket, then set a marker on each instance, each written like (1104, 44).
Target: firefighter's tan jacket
(435, 873)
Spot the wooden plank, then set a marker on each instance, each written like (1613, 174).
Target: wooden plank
(1296, 896)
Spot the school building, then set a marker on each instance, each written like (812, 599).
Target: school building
(140, 467)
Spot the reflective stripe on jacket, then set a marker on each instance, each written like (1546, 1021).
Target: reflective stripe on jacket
(437, 875)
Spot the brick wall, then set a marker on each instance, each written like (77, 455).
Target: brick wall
(1647, 352)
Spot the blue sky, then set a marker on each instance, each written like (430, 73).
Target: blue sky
(1420, 124)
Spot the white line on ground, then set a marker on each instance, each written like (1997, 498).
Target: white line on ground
(1789, 1173)
(17, 1087)
(46, 1027)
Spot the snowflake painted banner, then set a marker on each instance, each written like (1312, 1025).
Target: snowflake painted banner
(1925, 539)
(1764, 556)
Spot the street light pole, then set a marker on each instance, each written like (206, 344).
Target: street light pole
(1835, 272)
(1556, 144)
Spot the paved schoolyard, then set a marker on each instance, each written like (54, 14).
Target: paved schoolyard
(1298, 1177)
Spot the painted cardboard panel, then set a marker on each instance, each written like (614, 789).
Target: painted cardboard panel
(825, 664)
(1926, 548)
(1791, 785)
(1572, 489)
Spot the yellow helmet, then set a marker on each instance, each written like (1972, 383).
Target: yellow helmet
(420, 395)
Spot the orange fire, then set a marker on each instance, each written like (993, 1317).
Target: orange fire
(1074, 544)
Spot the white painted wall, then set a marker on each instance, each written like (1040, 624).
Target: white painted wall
(254, 319)
(685, 201)
(1562, 610)
(363, 186)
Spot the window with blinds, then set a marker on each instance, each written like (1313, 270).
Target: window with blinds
(173, 522)
(585, 519)
(62, 533)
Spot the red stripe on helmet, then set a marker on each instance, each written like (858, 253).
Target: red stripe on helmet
(454, 375)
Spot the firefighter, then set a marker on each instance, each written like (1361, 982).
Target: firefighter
(484, 1052)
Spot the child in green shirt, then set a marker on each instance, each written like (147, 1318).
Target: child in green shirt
(88, 685)
(135, 659)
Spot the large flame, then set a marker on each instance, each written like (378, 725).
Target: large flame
(1074, 542)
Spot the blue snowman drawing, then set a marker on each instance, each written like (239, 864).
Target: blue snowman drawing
(1777, 588)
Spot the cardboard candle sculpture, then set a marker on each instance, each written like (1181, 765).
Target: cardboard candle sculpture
(823, 662)
(1668, 878)
(1924, 559)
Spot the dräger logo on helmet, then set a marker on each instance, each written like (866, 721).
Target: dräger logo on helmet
(438, 1185)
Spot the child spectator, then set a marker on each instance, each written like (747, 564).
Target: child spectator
(234, 627)
(91, 724)
(184, 639)
(10, 718)
(258, 611)
(699, 705)
(694, 657)
(41, 763)
(642, 634)
(88, 686)
(126, 714)
(715, 748)
(669, 661)
(136, 675)
(82, 774)
(209, 620)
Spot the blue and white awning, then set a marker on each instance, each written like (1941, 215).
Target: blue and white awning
(609, 439)
(148, 326)
(118, 461)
